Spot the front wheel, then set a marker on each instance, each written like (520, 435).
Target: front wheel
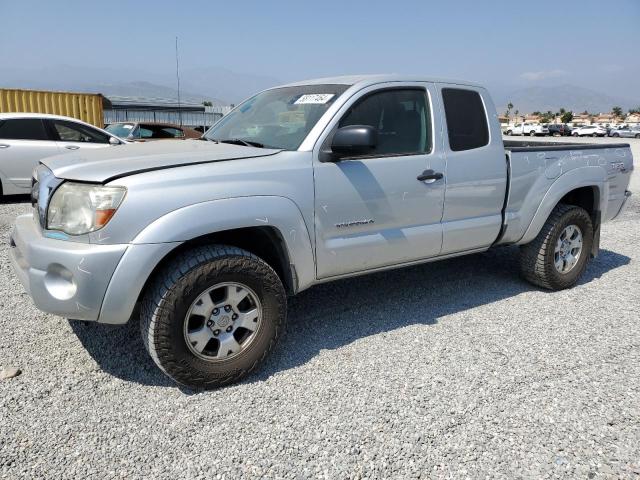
(509, 132)
(532, 133)
(212, 315)
(558, 256)
(637, 135)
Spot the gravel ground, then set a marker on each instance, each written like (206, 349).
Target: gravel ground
(452, 369)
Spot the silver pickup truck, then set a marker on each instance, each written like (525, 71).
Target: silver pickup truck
(299, 185)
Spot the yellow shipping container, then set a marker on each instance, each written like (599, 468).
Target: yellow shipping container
(83, 106)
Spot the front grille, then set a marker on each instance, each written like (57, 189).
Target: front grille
(43, 184)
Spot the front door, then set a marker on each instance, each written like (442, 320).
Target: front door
(372, 211)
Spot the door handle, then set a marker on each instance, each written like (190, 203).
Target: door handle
(4, 145)
(72, 147)
(429, 176)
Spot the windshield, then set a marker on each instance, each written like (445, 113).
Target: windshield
(280, 118)
(122, 130)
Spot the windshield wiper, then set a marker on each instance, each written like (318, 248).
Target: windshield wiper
(239, 141)
(207, 139)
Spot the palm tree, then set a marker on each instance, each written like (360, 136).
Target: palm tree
(509, 107)
(617, 112)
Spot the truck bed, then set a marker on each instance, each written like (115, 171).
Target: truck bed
(541, 145)
(535, 168)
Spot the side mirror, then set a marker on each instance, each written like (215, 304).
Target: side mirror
(354, 140)
(114, 141)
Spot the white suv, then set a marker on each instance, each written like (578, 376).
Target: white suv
(531, 129)
(589, 131)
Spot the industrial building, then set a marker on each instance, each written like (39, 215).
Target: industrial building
(144, 109)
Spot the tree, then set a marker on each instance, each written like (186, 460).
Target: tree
(546, 117)
(634, 110)
(617, 112)
(566, 117)
(509, 108)
(562, 111)
(207, 103)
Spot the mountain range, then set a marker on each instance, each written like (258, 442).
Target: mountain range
(570, 97)
(222, 86)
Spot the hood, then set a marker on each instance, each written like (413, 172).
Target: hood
(105, 164)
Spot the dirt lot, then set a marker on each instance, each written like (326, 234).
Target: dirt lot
(457, 368)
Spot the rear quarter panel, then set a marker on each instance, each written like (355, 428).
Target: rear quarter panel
(541, 177)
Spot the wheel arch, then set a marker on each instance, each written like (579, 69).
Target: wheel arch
(583, 187)
(270, 227)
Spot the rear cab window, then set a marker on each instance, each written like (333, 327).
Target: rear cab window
(466, 119)
(23, 129)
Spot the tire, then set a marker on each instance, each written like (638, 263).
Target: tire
(574, 134)
(637, 135)
(538, 258)
(532, 133)
(176, 290)
(509, 132)
(615, 135)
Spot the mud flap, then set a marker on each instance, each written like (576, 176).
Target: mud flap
(595, 249)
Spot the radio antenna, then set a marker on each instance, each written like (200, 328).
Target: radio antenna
(178, 79)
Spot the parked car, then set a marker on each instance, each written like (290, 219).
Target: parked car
(301, 185)
(589, 131)
(626, 132)
(146, 131)
(559, 129)
(27, 138)
(531, 129)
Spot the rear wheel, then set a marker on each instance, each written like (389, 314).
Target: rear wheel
(637, 135)
(212, 315)
(532, 133)
(558, 256)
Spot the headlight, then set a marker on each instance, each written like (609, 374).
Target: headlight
(78, 208)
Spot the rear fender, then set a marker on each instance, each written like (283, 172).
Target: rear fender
(594, 176)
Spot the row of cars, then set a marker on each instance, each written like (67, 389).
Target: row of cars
(561, 130)
(26, 138)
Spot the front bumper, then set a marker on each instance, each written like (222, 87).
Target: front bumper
(62, 277)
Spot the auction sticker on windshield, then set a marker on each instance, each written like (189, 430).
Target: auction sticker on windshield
(316, 98)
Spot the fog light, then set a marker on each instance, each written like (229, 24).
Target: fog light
(59, 282)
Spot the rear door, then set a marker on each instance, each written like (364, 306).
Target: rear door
(476, 170)
(23, 142)
(73, 136)
(372, 211)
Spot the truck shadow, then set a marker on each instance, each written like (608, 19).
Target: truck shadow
(332, 315)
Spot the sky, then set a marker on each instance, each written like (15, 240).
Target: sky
(590, 43)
